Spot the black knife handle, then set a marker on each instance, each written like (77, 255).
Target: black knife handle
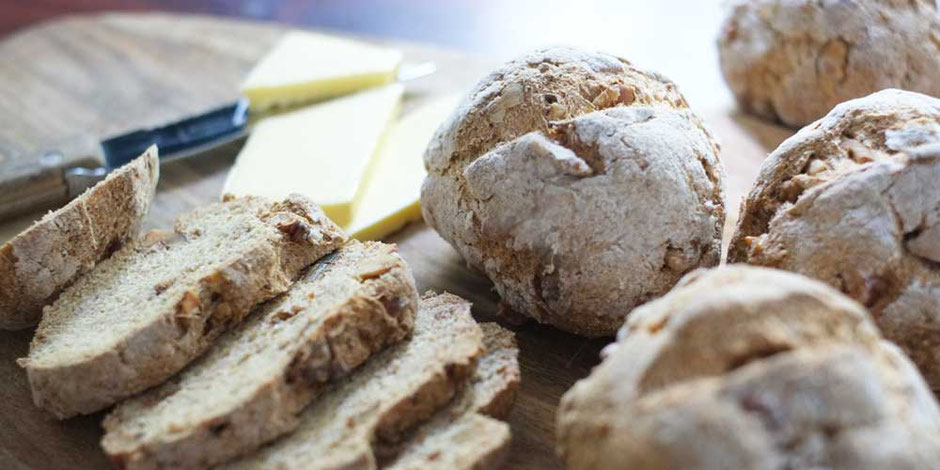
(179, 138)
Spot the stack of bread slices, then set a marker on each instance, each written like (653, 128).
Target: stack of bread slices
(254, 334)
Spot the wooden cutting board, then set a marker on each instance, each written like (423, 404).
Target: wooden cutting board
(104, 74)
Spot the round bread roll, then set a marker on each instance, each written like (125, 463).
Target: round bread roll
(750, 368)
(581, 185)
(854, 200)
(793, 60)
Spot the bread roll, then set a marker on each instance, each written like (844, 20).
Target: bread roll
(793, 60)
(854, 201)
(750, 368)
(581, 185)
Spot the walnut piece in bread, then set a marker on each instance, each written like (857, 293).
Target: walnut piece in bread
(794, 60)
(742, 367)
(854, 201)
(581, 185)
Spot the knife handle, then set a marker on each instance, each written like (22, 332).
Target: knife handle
(38, 181)
(179, 139)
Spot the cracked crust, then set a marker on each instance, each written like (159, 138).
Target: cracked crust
(793, 61)
(853, 201)
(580, 185)
(378, 403)
(154, 306)
(39, 263)
(748, 367)
(251, 386)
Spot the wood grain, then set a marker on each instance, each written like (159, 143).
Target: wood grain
(101, 75)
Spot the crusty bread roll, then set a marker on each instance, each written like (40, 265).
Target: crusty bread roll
(743, 367)
(581, 185)
(854, 201)
(793, 60)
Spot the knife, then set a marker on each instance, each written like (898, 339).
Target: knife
(56, 176)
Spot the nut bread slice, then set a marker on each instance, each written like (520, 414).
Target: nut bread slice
(465, 435)
(156, 305)
(392, 392)
(48, 256)
(250, 387)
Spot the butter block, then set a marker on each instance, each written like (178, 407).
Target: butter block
(323, 151)
(305, 67)
(390, 198)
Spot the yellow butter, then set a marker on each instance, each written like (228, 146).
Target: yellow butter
(305, 67)
(322, 151)
(390, 198)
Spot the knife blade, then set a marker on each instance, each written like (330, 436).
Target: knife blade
(56, 176)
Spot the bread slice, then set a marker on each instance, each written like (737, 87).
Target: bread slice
(250, 387)
(154, 306)
(388, 395)
(48, 256)
(465, 435)
(471, 441)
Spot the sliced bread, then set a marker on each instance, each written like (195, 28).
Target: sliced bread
(48, 256)
(471, 441)
(250, 387)
(155, 305)
(392, 392)
(465, 435)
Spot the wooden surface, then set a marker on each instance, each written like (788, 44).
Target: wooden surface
(102, 75)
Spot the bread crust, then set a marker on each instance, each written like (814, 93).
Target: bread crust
(853, 201)
(378, 313)
(37, 264)
(793, 61)
(581, 185)
(746, 367)
(201, 311)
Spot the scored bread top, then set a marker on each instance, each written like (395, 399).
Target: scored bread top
(249, 388)
(465, 435)
(747, 367)
(380, 401)
(143, 314)
(65, 244)
(581, 185)
(853, 201)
